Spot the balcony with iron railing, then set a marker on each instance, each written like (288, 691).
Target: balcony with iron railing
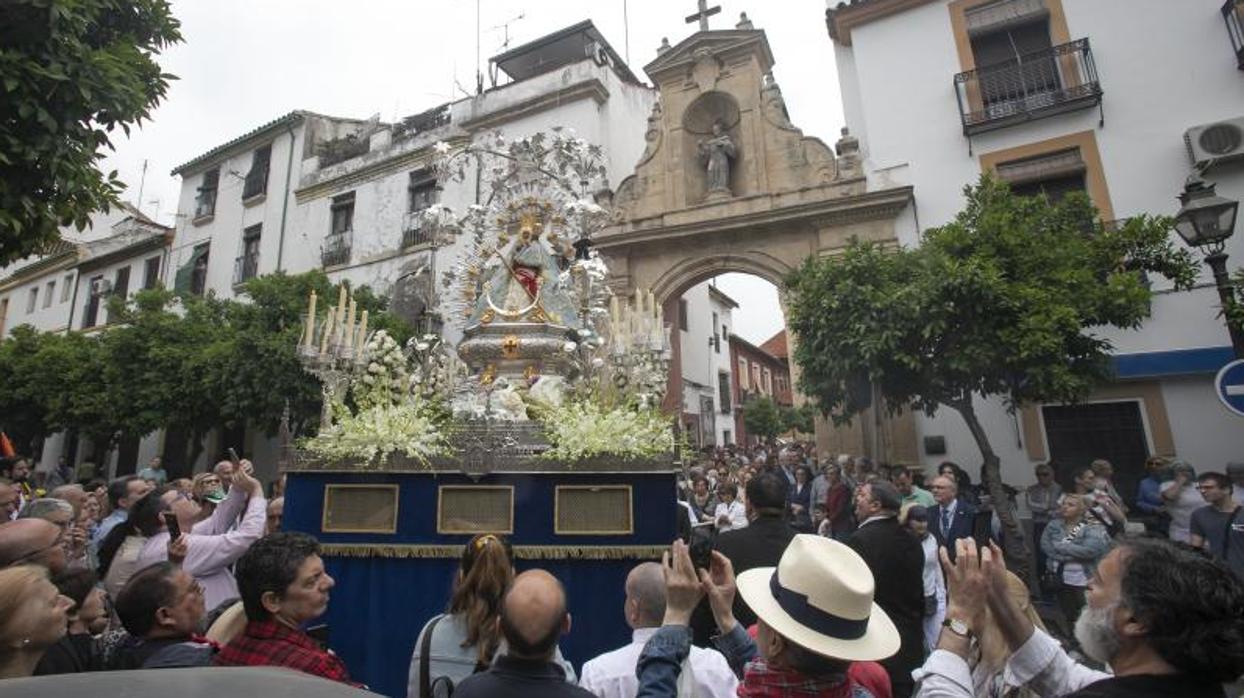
(1233, 15)
(415, 233)
(336, 249)
(245, 268)
(256, 182)
(1033, 86)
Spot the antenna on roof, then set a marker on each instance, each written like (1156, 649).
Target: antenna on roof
(626, 33)
(505, 43)
(142, 181)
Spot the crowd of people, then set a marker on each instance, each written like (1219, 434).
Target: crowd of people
(792, 577)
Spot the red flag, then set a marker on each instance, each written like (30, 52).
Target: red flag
(6, 446)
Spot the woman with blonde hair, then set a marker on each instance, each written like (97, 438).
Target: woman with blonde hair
(466, 638)
(33, 617)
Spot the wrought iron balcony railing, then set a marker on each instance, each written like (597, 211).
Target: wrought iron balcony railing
(415, 235)
(256, 182)
(245, 268)
(336, 250)
(1052, 81)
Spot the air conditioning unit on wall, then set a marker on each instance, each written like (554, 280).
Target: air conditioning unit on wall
(1215, 143)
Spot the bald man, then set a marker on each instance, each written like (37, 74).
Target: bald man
(74, 494)
(35, 542)
(533, 617)
(612, 674)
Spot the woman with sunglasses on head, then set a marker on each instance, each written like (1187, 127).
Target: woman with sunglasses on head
(466, 638)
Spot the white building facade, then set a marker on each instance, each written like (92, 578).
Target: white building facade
(705, 324)
(1059, 95)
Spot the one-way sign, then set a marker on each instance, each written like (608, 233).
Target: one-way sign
(1229, 384)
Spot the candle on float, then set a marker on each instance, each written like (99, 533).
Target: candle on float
(348, 330)
(613, 310)
(362, 333)
(341, 302)
(652, 301)
(326, 333)
(310, 332)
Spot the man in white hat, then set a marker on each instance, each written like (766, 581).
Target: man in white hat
(818, 630)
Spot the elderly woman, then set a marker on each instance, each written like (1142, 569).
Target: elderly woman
(1182, 498)
(730, 514)
(1042, 500)
(32, 618)
(1073, 544)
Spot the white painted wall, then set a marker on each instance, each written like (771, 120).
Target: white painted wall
(1163, 66)
(701, 363)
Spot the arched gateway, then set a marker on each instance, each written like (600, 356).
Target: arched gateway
(728, 184)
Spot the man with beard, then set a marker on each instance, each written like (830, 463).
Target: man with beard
(1166, 620)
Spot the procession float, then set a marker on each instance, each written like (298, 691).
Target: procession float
(541, 421)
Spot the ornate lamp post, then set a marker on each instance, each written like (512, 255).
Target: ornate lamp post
(1205, 222)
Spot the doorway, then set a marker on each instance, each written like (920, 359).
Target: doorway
(1115, 431)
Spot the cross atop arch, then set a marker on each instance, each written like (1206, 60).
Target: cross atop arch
(703, 14)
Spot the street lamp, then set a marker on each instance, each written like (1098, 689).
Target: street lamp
(1205, 222)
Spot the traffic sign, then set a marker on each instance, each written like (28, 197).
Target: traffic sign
(1229, 385)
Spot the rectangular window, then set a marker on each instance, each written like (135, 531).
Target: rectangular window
(121, 287)
(1053, 174)
(727, 437)
(757, 385)
(1006, 69)
(257, 179)
(246, 266)
(768, 382)
(421, 191)
(4, 315)
(198, 273)
(205, 199)
(682, 314)
(716, 337)
(91, 317)
(49, 294)
(33, 301)
(151, 273)
(342, 214)
(743, 382)
(723, 391)
(66, 288)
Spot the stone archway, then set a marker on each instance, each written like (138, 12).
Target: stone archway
(789, 197)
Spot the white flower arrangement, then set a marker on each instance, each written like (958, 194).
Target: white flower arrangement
(377, 433)
(582, 429)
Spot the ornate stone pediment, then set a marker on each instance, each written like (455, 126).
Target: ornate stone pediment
(720, 139)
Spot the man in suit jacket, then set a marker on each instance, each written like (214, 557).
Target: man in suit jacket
(896, 560)
(952, 518)
(761, 544)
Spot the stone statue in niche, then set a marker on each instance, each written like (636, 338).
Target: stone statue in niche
(715, 154)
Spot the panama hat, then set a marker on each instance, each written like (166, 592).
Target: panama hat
(820, 597)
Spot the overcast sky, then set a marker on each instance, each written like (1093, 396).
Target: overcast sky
(247, 62)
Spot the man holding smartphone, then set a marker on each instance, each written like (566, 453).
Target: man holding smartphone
(206, 549)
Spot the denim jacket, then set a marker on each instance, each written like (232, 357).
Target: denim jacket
(662, 658)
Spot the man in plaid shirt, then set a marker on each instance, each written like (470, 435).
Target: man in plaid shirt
(283, 585)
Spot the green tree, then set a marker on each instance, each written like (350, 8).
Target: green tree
(798, 419)
(23, 406)
(1003, 301)
(762, 418)
(70, 74)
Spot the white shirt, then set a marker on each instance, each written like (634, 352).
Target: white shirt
(1040, 664)
(735, 511)
(934, 585)
(612, 674)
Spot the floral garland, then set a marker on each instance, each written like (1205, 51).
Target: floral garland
(376, 433)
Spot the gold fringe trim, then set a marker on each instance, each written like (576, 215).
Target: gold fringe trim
(522, 552)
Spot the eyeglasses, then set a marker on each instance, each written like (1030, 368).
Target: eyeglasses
(59, 542)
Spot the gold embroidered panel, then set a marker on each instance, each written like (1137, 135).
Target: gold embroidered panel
(360, 509)
(581, 510)
(475, 509)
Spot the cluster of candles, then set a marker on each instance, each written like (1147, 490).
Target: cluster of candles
(637, 325)
(339, 330)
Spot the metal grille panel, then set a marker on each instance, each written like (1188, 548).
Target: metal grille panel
(360, 509)
(475, 509)
(588, 510)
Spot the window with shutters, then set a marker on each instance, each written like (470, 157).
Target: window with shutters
(91, 317)
(49, 294)
(151, 273)
(257, 178)
(198, 272)
(205, 198)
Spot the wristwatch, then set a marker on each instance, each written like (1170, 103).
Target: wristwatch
(957, 627)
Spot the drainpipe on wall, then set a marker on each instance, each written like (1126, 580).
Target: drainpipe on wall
(289, 167)
(73, 301)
